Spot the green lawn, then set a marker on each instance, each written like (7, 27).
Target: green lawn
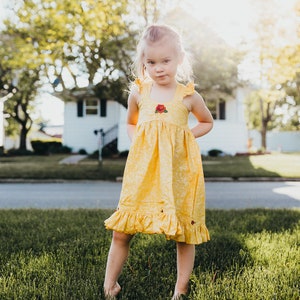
(268, 165)
(48, 167)
(61, 254)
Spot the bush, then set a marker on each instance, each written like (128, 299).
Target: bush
(215, 152)
(18, 152)
(82, 151)
(46, 147)
(123, 154)
(65, 149)
(94, 155)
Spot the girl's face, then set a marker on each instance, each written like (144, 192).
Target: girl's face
(161, 60)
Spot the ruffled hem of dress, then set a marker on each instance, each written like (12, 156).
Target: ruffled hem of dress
(133, 222)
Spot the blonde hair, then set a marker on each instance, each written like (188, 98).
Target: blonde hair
(153, 34)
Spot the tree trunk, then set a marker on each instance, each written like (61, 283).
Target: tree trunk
(23, 137)
(265, 119)
(264, 136)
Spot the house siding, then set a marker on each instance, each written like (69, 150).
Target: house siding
(230, 135)
(282, 141)
(79, 131)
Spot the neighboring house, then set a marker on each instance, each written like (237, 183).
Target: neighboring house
(83, 117)
(229, 133)
(83, 120)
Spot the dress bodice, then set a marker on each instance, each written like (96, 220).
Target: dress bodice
(173, 111)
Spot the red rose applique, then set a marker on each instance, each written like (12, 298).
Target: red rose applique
(160, 108)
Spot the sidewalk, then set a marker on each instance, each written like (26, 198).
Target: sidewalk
(72, 159)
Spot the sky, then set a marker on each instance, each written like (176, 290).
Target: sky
(231, 19)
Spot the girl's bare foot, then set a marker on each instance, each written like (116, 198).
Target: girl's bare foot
(111, 293)
(178, 296)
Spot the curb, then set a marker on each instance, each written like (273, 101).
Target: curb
(120, 179)
(250, 179)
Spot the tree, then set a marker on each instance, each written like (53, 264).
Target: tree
(65, 46)
(147, 12)
(19, 75)
(81, 42)
(276, 58)
(286, 75)
(266, 102)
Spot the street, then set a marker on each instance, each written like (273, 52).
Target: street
(103, 194)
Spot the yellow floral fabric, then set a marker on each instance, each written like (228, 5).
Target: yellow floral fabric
(163, 186)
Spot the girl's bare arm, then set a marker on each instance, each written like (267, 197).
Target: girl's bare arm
(132, 112)
(199, 109)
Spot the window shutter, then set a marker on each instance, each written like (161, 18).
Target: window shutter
(222, 107)
(80, 108)
(103, 108)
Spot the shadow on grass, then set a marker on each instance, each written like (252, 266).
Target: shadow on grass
(252, 220)
(64, 252)
(227, 249)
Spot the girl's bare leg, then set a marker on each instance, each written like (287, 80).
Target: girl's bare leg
(185, 265)
(117, 256)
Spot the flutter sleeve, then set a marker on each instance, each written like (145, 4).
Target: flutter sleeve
(139, 84)
(189, 89)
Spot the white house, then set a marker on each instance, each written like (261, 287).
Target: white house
(87, 116)
(83, 118)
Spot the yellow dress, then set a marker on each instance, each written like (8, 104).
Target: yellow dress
(163, 184)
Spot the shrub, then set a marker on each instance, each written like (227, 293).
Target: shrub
(123, 154)
(94, 155)
(82, 151)
(65, 149)
(215, 152)
(46, 147)
(18, 152)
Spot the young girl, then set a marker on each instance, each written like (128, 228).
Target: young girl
(163, 185)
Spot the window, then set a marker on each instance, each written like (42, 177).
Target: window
(217, 109)
(91, 107)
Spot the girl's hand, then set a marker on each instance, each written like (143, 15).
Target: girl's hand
(197, 106)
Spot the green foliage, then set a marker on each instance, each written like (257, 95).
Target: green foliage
(61, 254)
(215, 152)
(63, 44)
(41, 147)
(279, 67)
(20, 80)
(76, 40)
(261, 106)
(19, 152)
